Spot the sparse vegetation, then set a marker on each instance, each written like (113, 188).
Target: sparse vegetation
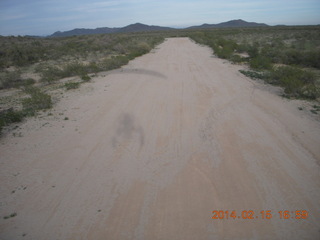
(37, 101)
(253, 74)
(72, 85)
(10, 216)
(51, 59)
(56, 58)
(10, 79)
(10, 116)
(315, 109)
(295, 81)
(85, 78)
(285, 56)
(114, 62)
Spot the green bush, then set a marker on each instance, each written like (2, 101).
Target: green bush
(312, 59)
(74, 69)
(72, 85)
(260, 63)
(10, 116)
(28, 82)
(114, 62)
(137, 50)
(93, 68)
(288, 71)
(236, 59)
(293, 56)
(292, 46)
(253, 50)
(10, 79)
(224, 53)
(50, 74)
(296, 82)
(253, 74)
(224, 48)
(53, 73)
(37, 101)
(85, 78)
(241, 48)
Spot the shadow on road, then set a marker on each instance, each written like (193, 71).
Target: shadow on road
(127, 128)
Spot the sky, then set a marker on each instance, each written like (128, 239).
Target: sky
(44, 17)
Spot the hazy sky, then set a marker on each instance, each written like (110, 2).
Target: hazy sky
(43, 17)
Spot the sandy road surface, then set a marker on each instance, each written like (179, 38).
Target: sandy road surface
(149, 151)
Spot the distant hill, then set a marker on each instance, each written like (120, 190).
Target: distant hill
(231, 24)
(139, 27)
(83, 31)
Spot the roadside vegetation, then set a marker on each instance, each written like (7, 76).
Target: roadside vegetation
(55, 58)
(36, 100)
(285, 56)
(32, 64)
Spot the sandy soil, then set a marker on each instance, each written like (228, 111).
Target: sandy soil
(150, 150)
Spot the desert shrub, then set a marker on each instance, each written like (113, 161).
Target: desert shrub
(260, 62)
(242, 47)
(224, 48)
(20, 52)
(310, 92)
(143, 47)
(296, 82)
(293, 56)
(10, 79)
(28, 82)
(274, 54)
(93, 67)
(74, 69)
(72, 85)
(24, 51)
(50, 73)
(85, 78)
(10, 116)
(253, 74)
(236, 59)
(288, 71)
(37, 101)
(292, 46)
(312, 59)
(24, 82)
(114, 62)
(135, 53)
(120, 48)
(138, 47)
(225, 52)
(253, 50)
(53, 73)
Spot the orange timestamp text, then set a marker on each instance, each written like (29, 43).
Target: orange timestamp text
(264, 214)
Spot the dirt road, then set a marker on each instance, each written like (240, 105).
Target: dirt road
(150, 150)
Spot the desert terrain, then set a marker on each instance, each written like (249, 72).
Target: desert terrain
(150, 150)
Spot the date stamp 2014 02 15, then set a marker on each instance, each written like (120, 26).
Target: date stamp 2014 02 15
(264, 214)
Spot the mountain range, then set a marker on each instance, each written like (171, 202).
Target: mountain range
(139, 27)
(231, 24)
